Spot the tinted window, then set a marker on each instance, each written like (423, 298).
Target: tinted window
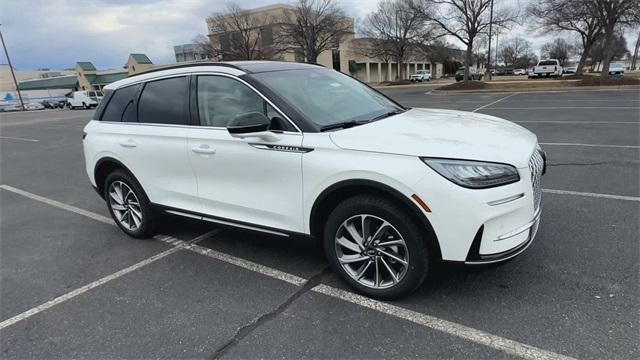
(220, 99)
(547, 62)
(120, 107)
(164, 101)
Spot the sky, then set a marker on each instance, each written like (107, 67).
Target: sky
(56, 34)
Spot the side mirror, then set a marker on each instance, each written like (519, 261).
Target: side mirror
(251, 124)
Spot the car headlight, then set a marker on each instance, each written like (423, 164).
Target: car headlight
(474, 174)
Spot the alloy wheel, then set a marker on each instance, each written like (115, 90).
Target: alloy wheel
(372, 251)
(125, 205)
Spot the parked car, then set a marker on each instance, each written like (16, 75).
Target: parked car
(421, 75)
(473, 74)
(616, 69)
(84, 99)
(519, 72)
(297, 150)
(53, 104)
(33, 106)
(570, 69)
(549, 67)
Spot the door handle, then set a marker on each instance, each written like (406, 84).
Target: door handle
(203, 149)
(129, 143)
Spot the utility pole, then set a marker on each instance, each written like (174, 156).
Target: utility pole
(488, 73)
(12, 73)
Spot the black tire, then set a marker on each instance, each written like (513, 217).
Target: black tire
(398, 217)
(148, 224)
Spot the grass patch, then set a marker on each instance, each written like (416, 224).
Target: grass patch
(609, 80)
(466, 85)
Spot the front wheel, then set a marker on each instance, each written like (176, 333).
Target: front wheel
(375, 247)
(128, 204)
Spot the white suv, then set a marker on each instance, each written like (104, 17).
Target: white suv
(293, 149)
(421, 75)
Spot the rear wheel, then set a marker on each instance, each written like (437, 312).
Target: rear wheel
(129, 205)
(375, 247)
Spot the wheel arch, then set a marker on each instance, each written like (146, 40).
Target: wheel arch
(103, 168)
(334, 194)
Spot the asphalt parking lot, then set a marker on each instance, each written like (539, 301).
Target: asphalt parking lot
(72, 285)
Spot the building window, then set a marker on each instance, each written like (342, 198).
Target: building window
(266, 35)
(335, 55)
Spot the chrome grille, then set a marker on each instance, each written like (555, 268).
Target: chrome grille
(536, 165)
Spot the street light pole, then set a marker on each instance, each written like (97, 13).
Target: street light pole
(488, 74)
(12, 73)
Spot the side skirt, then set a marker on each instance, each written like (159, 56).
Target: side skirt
(224, 222)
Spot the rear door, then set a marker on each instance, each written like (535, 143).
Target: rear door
(249, 181)
(146, 126)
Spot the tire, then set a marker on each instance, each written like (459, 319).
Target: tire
(376, 211)
(137, 226)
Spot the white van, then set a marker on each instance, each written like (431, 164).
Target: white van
(84, 99)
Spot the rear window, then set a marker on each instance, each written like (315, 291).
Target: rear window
(121, 105)
(164, 101)
(547, 62)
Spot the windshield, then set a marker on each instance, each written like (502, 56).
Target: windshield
(327, 97)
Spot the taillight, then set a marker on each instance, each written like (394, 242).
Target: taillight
(555, 68)
(84, 135)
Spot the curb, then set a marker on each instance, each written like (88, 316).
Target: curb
(549, 89)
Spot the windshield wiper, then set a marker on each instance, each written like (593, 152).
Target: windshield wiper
(344, 125)
(387, 114)
(352, 123)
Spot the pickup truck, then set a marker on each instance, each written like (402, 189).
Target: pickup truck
(421, 75)
(549, 67)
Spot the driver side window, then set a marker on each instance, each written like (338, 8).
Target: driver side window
(221, 99)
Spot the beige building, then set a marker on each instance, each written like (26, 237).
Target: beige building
(6, 81)
(346, 56)
(84, 76)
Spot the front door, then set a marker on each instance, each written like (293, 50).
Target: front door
(251, 181)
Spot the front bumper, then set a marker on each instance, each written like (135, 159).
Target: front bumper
(475, 258)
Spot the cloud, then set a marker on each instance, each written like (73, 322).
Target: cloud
(58, 33)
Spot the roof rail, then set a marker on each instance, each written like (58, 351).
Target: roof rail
(188, 64)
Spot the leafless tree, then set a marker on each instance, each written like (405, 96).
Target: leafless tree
(579, 17)
(557, 49)
(205, 46)
(238, 34)
(616, 49)
(396, 28)
(513, 50)
(466, 20)
(317, 26)
(614, 15)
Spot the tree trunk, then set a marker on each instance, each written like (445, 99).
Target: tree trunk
(583, 57)
(467, 60)
(608, 53)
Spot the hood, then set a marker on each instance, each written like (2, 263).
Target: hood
(444, 134)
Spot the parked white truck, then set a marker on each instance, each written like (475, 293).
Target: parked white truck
(548, 67)
(84, 99)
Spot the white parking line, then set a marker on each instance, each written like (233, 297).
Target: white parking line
(73, 209)
(566, 107)
(495, 102)
(17, 138)
(464, 332)
(70, 295)
(588, 194)
(461, 331)
(575, 122)
(592, 145)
